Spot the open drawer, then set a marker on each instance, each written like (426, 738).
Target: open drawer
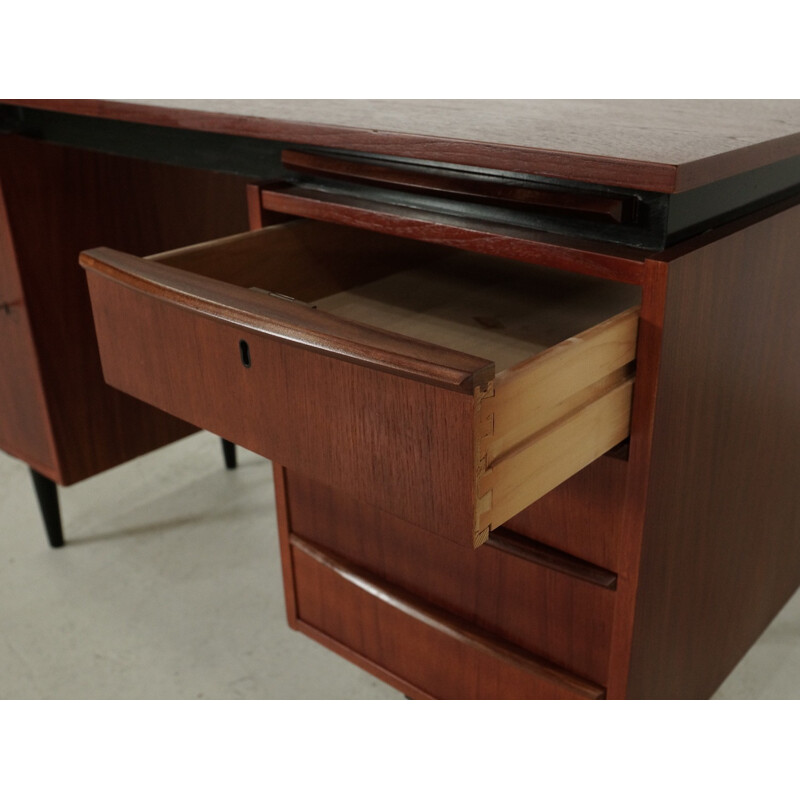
(448, 388)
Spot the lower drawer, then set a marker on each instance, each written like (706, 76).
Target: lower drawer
(555, 607)
(414, 645)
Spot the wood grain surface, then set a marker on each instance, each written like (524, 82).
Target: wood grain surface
(507, 541)
(508, 313)
(444, 656)
(303, 259)
(646, 577)
(494, 239)
(450, 183)
(59, 201)
(658, 145)
(582, 516)
(721, 547)
(24, 425)
(384, 435)
(298, 324)
(536, 466)
(508, 593)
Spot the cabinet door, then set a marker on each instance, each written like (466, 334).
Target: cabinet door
(24, 429)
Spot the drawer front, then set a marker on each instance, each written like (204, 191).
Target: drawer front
(422, 430)
(415, 645)
(524, 596)
(402, 444)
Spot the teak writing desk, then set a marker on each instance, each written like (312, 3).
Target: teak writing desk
(527, 371)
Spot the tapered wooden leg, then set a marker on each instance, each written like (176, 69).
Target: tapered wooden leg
(47, 495)
(229, 453)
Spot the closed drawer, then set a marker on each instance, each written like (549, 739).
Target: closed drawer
(534, 597)
(447, 388)
(412, 644)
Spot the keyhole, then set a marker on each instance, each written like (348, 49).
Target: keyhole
(244, 352)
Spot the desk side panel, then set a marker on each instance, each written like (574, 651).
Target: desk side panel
(24, 427)
(721, 547)
(63, 200)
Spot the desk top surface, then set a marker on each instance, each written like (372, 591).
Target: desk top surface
(659, 145)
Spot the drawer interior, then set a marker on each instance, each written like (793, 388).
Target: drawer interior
(526, 371)
(496, 309)
(561, 345)
(501, 310)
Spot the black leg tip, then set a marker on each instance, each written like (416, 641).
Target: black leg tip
(229, 453)
(47, 495)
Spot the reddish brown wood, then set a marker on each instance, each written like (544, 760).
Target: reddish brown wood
(257, 215)
(305, 260)
(401, 443)
(296, 324)
(721, 550)
(452, 183)
(393, 628)
(409, 690)
(61, 200)
(583, 515)
(255, 211)
(632, 502)
(602, 260)
(546, 612)
(284, 526)
(505, 540)
(287, 569)
(700, 524)
(24, 427)
(658, 145)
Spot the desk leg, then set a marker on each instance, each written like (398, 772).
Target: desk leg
(229, 453)
(47, 495)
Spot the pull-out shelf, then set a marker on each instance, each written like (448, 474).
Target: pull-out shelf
(448, 388)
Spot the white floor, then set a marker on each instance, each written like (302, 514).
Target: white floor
(170, 587)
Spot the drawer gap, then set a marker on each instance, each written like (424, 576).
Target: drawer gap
(520, 546)
(621, 452)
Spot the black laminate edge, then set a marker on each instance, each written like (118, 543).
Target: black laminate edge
(660, 220)
(257, 159)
